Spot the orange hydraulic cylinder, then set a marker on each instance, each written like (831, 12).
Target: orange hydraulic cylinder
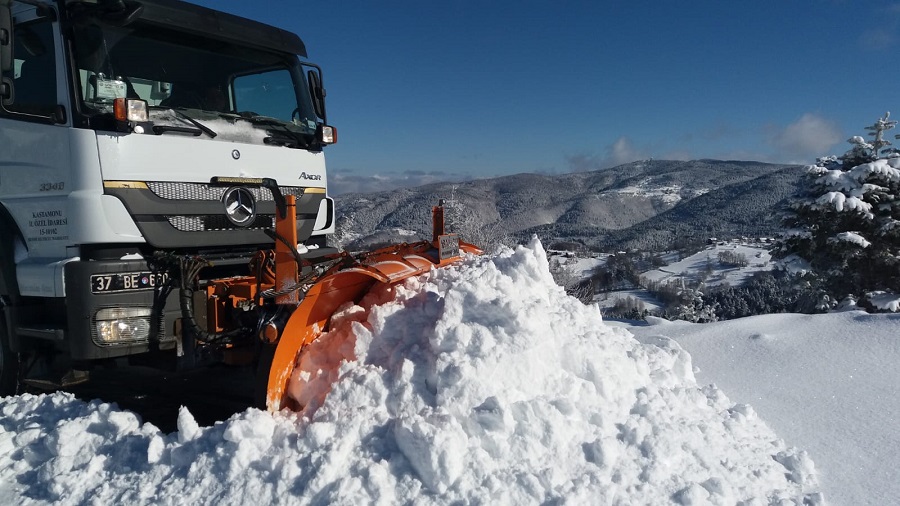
(287, 270)
(437, 223)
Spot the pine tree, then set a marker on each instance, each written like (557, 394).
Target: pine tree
(847, 225)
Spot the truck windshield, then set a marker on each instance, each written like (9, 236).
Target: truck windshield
(211, 81)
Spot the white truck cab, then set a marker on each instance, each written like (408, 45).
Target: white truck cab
(130, 129)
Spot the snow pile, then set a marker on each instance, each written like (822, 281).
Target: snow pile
(885, 301)
(482, 383)
(852, 237)
(854, 180)
(228, 131)
(841, 202)
(237, 131)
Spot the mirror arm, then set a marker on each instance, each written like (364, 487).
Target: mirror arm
(316, 89)
(59, 114)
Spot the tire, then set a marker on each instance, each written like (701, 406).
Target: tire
(9, 363)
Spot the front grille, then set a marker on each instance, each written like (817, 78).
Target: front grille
(217, 222)
(202, 191)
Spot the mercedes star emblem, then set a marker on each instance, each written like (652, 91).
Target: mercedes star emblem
(235, 154)
(240, 206)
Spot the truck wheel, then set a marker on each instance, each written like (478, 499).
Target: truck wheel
(9, 363)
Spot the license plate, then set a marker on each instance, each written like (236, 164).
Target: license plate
(126, 281)
(448, 246)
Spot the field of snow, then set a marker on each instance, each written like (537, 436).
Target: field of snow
(578, 266)
(650, 189)
(607, 300)
(691, 267)
(483, 383)
(702, 265)
(826, 383)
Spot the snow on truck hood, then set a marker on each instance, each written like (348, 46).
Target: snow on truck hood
(480, 383)
(237, 150)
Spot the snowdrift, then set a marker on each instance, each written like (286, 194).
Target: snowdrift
(482, 383)
(825, 382)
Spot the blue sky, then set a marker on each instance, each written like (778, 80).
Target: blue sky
(425, 91)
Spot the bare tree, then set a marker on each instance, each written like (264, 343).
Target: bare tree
(461, 219)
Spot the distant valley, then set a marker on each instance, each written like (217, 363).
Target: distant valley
(645, 205)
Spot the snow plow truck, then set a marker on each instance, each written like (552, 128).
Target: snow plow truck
(163, 196)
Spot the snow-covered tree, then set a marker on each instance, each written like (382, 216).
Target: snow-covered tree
(463, 220)
(692, 308)
(846, 227)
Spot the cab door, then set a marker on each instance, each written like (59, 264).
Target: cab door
(35, 134)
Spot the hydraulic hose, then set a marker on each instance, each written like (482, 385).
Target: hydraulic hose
(187, 270)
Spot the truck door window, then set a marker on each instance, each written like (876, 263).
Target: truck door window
(34, 73)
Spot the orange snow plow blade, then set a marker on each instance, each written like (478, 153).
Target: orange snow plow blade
(349, 281)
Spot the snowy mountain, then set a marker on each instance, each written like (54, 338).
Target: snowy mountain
(644, 205)
(481, 383)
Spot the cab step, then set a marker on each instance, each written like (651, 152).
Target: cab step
(70, 378)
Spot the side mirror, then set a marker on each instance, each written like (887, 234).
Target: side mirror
(316, 91)
(6, 37)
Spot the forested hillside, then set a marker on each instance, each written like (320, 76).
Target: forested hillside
(644, 205)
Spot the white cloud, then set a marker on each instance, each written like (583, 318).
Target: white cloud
(809, 137)
(882, 37)
(621, 151)
(877, 38)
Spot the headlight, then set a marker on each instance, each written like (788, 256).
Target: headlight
(130, 109)
(327, 134)
(122, 324)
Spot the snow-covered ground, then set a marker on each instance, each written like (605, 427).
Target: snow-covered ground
(648, 188)
(702, 266)
(485, 383)
(826, 383)
(607, 300)
(579, 266)
(707, 261)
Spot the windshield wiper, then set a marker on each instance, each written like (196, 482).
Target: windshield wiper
(158, 129)
(162, 128)
(284, 136)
